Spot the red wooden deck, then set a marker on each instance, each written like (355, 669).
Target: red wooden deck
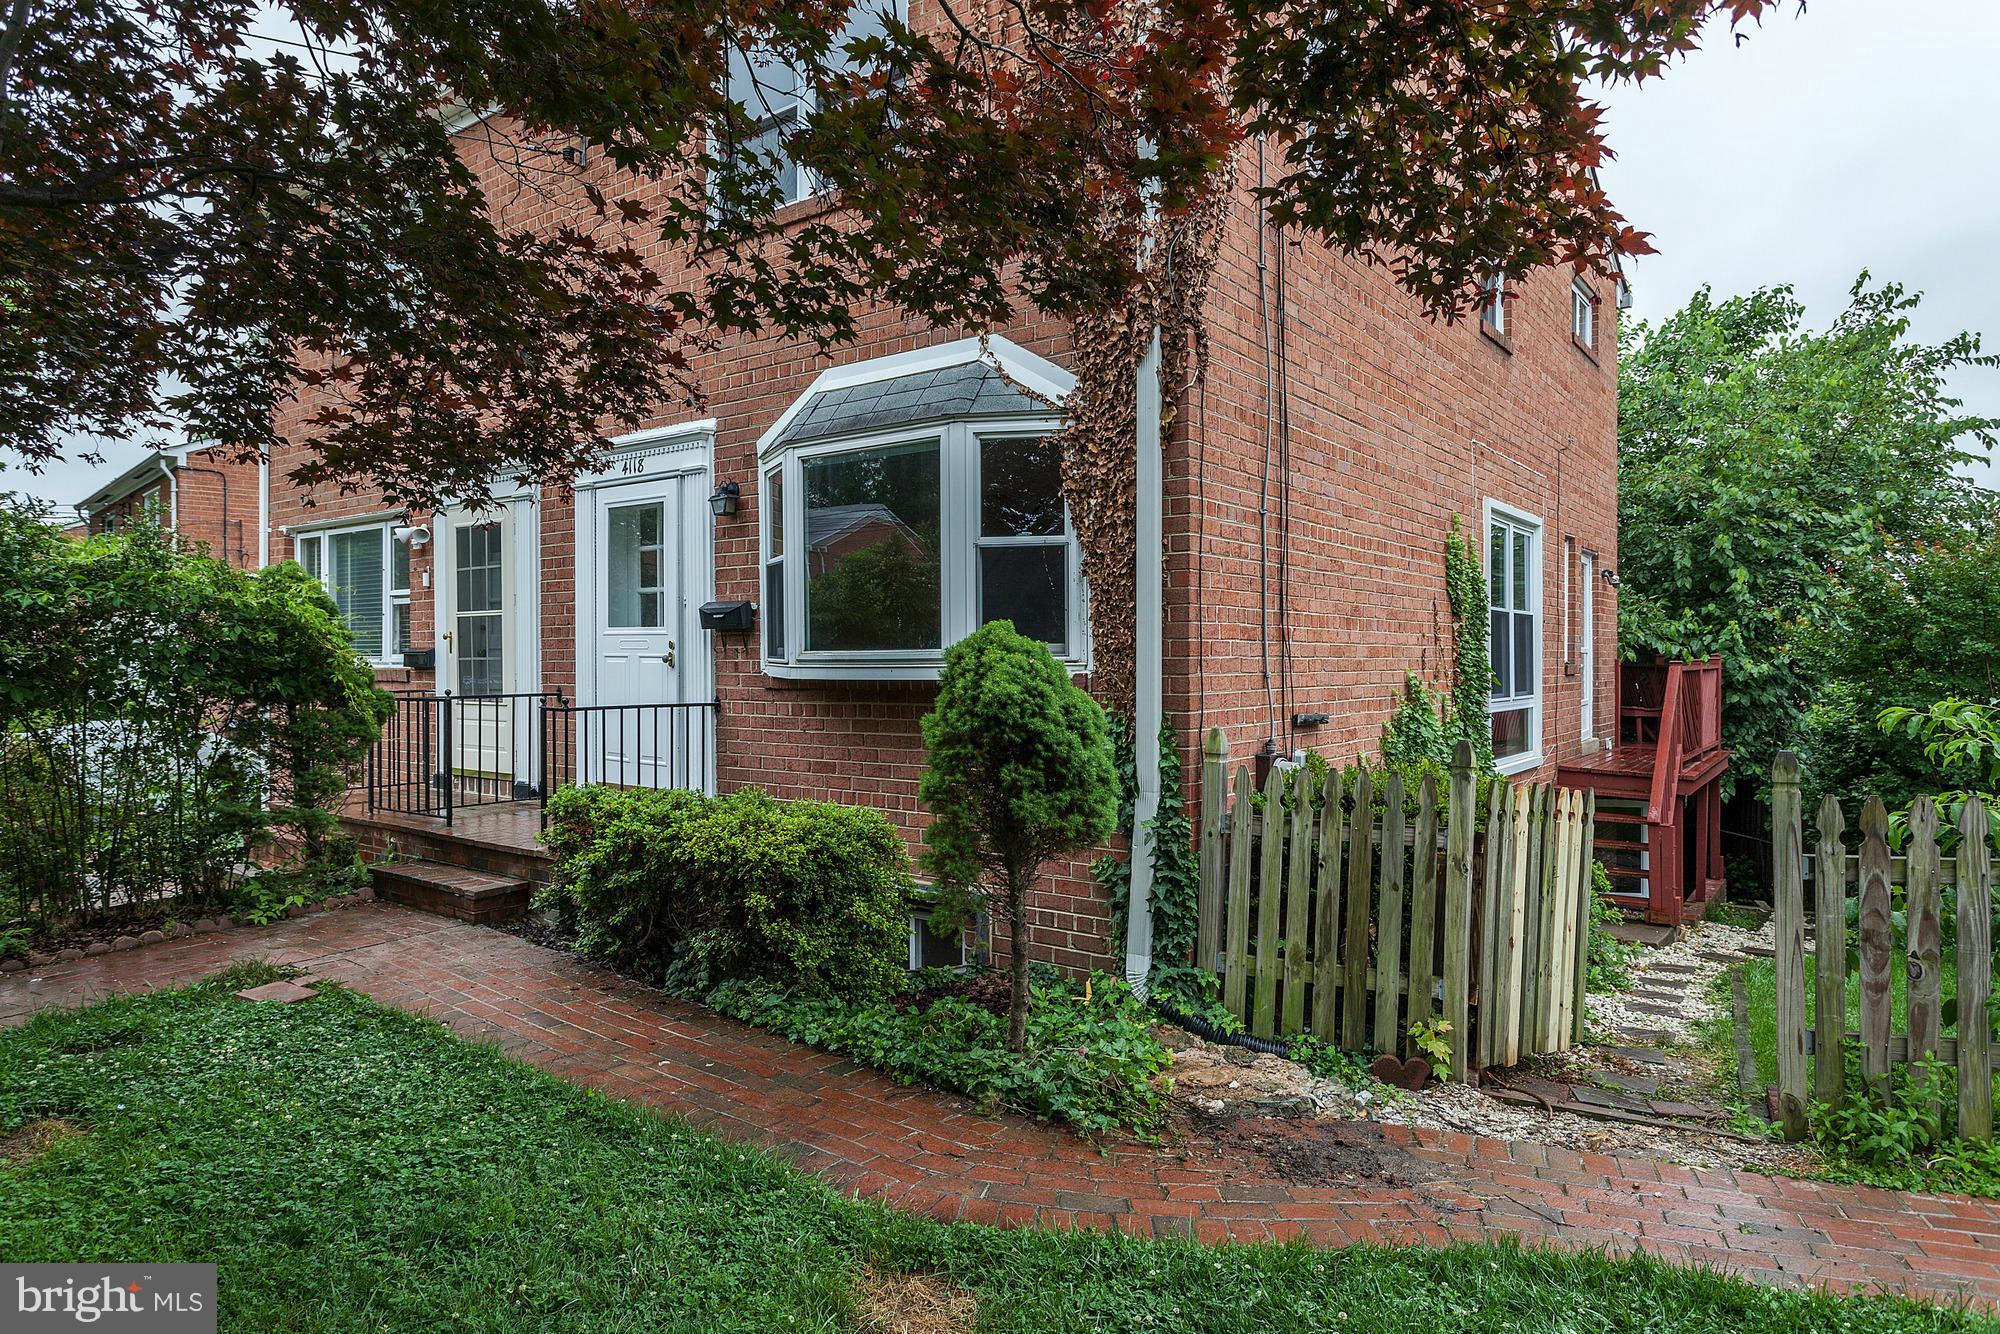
(1659, 790)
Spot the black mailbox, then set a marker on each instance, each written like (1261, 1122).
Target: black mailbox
(421, 658)
(728, 615)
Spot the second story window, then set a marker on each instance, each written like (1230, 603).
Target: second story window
(1583, 313)
(1493, 302)
(776, 97)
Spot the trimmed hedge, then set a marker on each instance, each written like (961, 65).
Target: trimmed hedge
(691, 890)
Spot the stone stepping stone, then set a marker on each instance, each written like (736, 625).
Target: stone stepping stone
(1649, 1007)
(1643, 1055)
(1644, 1084)
(1649, 1036)
(1688, 1111)
(1676, 969)
(1596, 1097)
(283, 991)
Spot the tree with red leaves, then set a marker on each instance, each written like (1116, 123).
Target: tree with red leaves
(210, 209)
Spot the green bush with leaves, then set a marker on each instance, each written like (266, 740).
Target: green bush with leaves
(166, 722)
(692, 890)
(1089, 1055)
(1608, 963)
(1017, 771)
(1776, 484)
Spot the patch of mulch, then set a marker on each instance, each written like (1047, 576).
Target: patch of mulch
(539, 929)
(986, 989)
(121, 922)
(895, 1303)
(36, 1138)
(1328, 1153)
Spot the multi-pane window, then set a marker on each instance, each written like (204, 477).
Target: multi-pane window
(931, 949)
(367, 572)
(635, 584)
(776, 98)
(879, 554)
(1493, 302)
(478, 610)
(1513, 571)
(1583, 313)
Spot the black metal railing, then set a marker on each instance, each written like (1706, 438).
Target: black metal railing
(441, 753)
(625, 745)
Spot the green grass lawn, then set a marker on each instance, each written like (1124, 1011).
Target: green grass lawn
(350, 1167)
(1761, 981)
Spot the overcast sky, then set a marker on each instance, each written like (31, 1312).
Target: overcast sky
(1859, 135)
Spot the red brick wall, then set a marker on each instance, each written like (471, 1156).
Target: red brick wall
(212, 503)
(1396, 423)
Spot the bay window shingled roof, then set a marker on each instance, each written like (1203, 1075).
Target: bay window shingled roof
(969, 389)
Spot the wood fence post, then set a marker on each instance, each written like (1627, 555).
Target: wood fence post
(1975, 974)
(1876, 943)
(1236, 967)
(1389, 921)
(1461, 820)
(1830, 955)
(1214, 801)
(1788, 897)
(1492, 917)
(1354, 936)
(1586, 895)
(1326, 910)
(1270, 888)
(1424, 907)
(1924, 902)
(1298, 889)
(1513, 932)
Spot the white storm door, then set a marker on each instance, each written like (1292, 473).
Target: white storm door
(640, 606)
(481, 667)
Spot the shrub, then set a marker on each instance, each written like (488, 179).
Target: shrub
(1610, 960)
(1089, 1057)
(1017, 771)
(165, 721)
(692, 889)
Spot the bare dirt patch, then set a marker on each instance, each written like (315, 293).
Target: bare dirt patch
(34, 1139)
(896, 1303)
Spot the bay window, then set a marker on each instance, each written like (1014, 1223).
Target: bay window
(881, 552)
(1513, 570)
(366, 570)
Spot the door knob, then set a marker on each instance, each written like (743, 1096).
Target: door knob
(668, 656)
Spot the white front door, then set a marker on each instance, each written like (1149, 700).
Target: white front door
(642, 604)
(1587, 654)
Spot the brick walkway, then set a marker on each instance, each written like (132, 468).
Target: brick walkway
(925, 1151)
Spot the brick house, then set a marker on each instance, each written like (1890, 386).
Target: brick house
(873, 505)
(205, 496)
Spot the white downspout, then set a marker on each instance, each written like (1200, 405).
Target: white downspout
(173, 495)
(1148, 664)
(263, 510)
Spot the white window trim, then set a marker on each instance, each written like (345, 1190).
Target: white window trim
(959, 456)
(392, 597)
(1489, 511)
(1493, 310)
(1583, 311)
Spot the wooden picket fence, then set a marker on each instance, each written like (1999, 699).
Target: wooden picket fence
(1354, 925)
(1925, 876)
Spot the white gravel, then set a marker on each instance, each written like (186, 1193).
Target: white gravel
(1610, 1013)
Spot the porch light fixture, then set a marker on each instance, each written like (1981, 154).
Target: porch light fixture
(728, 498)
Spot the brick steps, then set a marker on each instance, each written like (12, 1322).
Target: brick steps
(452, 891)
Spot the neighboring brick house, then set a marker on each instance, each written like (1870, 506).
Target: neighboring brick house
(205, 496)
(893, 496)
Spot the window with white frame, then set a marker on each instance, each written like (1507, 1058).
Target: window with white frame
(1583, 313)
(879, 553)
(931, 949)
(1513, 568)
(366, 570)
(776, 97)
(1493, 305)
